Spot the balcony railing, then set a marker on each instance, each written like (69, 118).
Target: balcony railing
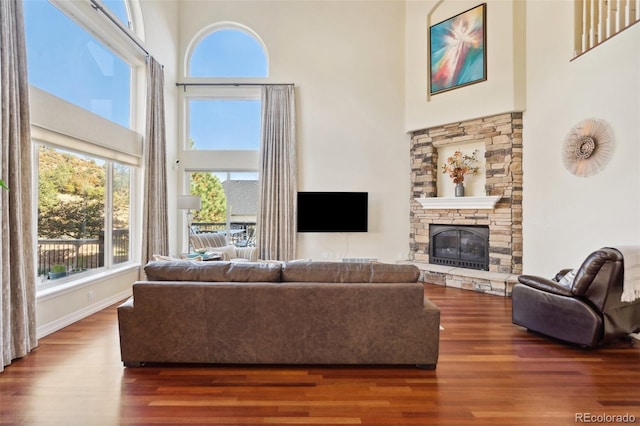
(81, 254)
(599, 20)
(84, 254)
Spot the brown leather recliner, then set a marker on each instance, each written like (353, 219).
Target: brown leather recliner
(586, 311)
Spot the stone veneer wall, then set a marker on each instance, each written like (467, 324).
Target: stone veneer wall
(502, 136)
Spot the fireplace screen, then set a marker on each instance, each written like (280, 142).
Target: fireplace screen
(466, 246)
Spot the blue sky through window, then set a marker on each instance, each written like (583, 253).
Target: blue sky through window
(228, 53)
(119, 9)
(224, 124)
(66, 61)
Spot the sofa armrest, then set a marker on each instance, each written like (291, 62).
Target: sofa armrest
(126, 305)
(545, 284)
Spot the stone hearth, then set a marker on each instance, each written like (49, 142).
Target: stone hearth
(502, 137)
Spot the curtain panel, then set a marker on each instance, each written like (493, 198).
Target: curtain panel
(155, 229)
(18, 295)
(276, 222)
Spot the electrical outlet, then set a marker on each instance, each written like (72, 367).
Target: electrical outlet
(90, 296)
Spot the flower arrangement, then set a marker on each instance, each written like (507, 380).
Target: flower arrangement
(460, 164)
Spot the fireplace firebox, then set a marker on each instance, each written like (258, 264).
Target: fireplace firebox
(465, 246)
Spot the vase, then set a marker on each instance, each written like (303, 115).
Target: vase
(459, 189)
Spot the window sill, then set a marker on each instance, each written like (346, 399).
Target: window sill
(91, 279)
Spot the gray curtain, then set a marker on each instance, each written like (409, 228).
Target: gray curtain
(155, 234)
(18, 297)
(276, 223)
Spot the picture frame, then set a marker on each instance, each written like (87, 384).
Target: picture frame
(458, 51)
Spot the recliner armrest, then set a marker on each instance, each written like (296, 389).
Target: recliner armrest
(561, 274)
(545, 284)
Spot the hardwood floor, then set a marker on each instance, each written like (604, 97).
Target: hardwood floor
(490, 372)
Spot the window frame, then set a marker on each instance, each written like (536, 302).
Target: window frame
(107, 223)
(60, 124)
(207, 31)
(228, 221)
(215, 93)
(214, 161)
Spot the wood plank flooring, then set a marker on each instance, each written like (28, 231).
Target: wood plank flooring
(490, 372)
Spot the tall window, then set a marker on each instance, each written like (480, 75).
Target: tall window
(68, 62)
(222, 123)
(226, 118)
(84, 205)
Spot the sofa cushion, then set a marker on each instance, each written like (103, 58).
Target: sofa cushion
(227, 252)
(347, 272)
(214, 271)
(208, 239)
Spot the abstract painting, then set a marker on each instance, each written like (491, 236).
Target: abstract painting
(457, 51)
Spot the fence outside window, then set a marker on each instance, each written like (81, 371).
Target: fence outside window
(81, 254)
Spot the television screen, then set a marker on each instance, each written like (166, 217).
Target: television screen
(333, 211)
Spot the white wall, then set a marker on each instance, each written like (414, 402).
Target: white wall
(565, 216)
(59, 307)
(354, 82)
(503, 91)
(347, 62)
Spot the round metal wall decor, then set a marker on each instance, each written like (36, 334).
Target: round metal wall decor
(588, 147)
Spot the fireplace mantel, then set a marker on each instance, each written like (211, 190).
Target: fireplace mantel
(476, 203)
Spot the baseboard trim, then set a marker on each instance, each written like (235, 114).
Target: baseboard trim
(76, 316)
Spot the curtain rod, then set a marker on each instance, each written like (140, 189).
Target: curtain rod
(118, 24)
(185, 85)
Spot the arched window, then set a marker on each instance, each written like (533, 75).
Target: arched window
(222, 123)
(225, 118)
(228, 52)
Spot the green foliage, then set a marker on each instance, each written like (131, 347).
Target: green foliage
(58, 268)
(75, 219)
(121, 196)
(70, 195)
(209, 188)
(3, 185)
(214, 200)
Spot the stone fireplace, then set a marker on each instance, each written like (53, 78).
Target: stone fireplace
(500, 210)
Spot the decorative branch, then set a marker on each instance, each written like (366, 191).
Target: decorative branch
(460, 164)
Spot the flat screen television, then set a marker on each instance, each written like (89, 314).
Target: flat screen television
(333, 211)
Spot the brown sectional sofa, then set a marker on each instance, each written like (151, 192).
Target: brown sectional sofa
(279, 313)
